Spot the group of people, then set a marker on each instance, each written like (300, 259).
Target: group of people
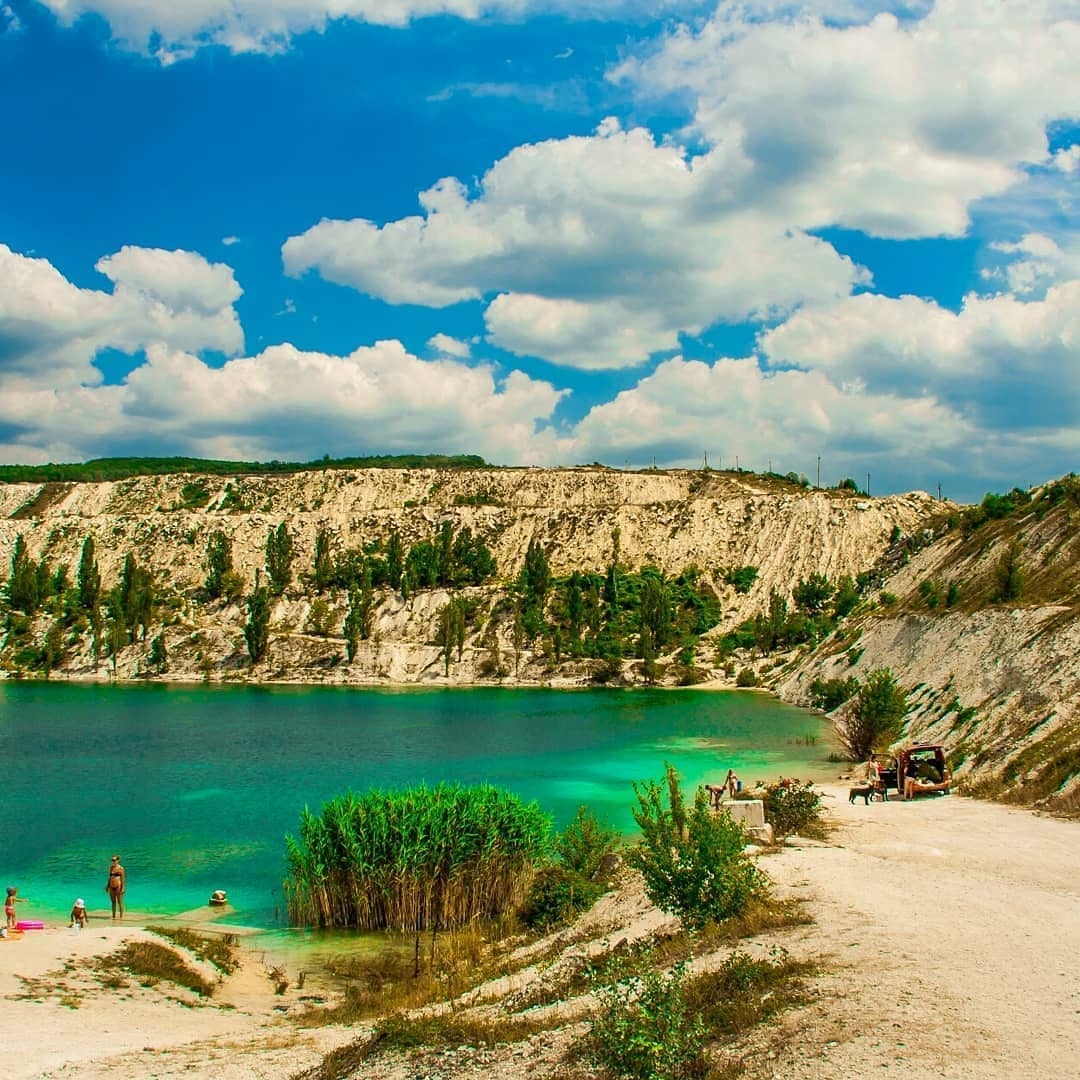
(115, 886)
(731, 786)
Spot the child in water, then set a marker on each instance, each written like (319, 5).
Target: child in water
(78, 914)
(9, 905)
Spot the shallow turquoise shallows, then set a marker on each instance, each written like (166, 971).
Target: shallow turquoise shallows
(196, 786)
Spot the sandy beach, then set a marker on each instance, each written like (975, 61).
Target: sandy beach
(947, 931)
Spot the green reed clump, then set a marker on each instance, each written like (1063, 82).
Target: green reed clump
(414, 859)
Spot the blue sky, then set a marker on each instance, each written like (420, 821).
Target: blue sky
(546, 233)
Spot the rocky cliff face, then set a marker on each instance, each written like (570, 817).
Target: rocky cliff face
(997, 682)
(989, 680)
(581, 517)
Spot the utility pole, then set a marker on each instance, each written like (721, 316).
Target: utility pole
(819, 470)
(867, 483)
(939, 491)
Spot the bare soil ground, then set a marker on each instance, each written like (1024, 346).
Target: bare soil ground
(947, 932)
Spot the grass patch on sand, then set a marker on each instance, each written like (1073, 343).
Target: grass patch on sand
(403, 1033)
(214, 949)
(150, 962)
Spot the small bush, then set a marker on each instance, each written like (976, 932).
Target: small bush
(741, 578)
(829, 694)
(558, 896)
(583, 845)
(194, 495)
(644, 1028)
(791, 807)
(693, 861)
(746, 678)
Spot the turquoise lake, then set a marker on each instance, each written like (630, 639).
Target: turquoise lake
(196, 786)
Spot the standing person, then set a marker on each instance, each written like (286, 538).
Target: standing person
(729, 783)
(116, 886)
(10, 900)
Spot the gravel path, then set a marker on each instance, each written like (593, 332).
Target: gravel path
(952, 932)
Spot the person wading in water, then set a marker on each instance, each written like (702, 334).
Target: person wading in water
(116, 886)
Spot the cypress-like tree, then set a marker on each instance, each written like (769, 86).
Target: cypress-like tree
(324, 563)
(22, 585)
(257, 628)
(395, 560)
(279, 555)
(219, 563)
(88, 579)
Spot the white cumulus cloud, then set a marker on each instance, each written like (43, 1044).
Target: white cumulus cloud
(602, 249)
(51, 330)
(894, 126)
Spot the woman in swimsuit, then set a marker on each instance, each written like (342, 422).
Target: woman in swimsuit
(116, 886)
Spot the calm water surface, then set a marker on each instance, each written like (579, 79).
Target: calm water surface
(195, 786)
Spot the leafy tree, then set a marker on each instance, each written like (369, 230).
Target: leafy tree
(53, 652)
(694, 861)
(324, 563)
(359, 617)
(221, 578)
(88, 577)
(584, 844)
(451, 632)
(813, 594)
(159, 657)
(22, 588)
(829, 694)
(771, 625)
(257, 628)
(318, 622)
(135, 596)
(279, 556)
(791, 807)
(395, 560)
(656, 614)
(846, 597)
(876, 717)
(534, 581)
(1009, 573)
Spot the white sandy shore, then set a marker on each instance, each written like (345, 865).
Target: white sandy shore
(948, 929)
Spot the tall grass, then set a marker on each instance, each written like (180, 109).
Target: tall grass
(414, 859)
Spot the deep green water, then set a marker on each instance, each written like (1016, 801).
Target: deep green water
(195, 786)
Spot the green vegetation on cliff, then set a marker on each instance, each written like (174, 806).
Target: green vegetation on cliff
(120, 468)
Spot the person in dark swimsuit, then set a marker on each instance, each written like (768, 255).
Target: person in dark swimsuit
(116, 886)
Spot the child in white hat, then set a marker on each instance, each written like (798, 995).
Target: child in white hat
(78, 914)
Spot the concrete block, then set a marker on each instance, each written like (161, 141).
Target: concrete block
(749, 812)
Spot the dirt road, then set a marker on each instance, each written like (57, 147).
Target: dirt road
(952, 931)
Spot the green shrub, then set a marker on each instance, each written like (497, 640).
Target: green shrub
(746, 678)
(790, 807)
(693, 861)
(829, 694)
(741, 578)
(644, 1028)
(886, 599)
(194, 494)
(877, 717)
(558, 896)
(583, 845)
